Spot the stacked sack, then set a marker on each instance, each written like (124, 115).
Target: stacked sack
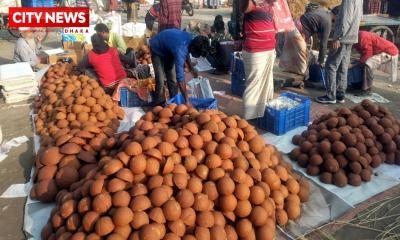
(76, 122)
(17, 82)
(344, 146)
(180, 173)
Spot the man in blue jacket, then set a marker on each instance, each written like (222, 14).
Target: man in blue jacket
(170, 50)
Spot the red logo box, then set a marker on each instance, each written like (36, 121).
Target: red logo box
(48, 17)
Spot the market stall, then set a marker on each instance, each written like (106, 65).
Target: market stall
(324, 203)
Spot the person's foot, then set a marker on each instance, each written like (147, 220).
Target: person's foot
(325, 100)
(340, 99)
(364, 93)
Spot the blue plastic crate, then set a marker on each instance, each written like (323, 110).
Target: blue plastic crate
(131, 99)
(37, 3)
(281, 121)
(198, 103)
(238, 77)
(354, 75)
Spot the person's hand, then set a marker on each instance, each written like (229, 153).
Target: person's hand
(336, 44)
(39, 38)
(321, 65)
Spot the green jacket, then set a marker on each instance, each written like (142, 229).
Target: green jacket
(116, 41)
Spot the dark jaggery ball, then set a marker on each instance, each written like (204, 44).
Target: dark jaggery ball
(396, 139)
(383, 109)
(305, 134)
(373, 151)
(340, 179)
(332, 122)
(385, 122)
(341, 121)
(364, 162)
(367, 133)
(379, 146)
(295, 153)
(358, 108)
(390, 147)
(360, 137)
(364, 114)
(312, 138)
(369, 142)
(390, 131)
(353, 121)
(344, 112)
(306, 146)
(368, 157)
(370, 122)
(362, 149)
(349, 139)
(355, 130)
(331, 165)
(323, 134)
(396, 128)
(376, 161)
(326, 177)
(344, 130)
(324, 147)
(312, 170)
(373, 109)
(321, 126)
(342, 161)
(316, 160)
(366, 102)
(302, 160)
(338, 147)
(313, 151)
(296, 139)
(334, 136)
(390, 158)
(385, 138)
(366, 175)
(377, 129)
(354, 179)
(352, 154)
(312, 126)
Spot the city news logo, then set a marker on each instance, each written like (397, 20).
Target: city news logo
(60, 17)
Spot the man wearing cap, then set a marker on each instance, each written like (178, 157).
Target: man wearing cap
(27, 47)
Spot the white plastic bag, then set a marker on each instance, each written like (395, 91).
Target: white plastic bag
(201, 88)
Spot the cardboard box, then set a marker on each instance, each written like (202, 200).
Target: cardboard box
(80, 48)
(53, 59)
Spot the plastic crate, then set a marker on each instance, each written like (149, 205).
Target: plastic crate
(198, 103)
(131, 99)
(238, 77)
(37, 3)
(281, 121)
(354, 75)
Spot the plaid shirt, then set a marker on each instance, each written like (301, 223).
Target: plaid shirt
(170, 14)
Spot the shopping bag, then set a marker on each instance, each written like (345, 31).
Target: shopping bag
(201, 88)
(282, 17)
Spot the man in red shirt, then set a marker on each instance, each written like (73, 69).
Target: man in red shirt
(376, 53)
(105, 62)
(170, 14)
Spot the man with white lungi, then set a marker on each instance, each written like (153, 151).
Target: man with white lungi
(376, 53)
(258, 55)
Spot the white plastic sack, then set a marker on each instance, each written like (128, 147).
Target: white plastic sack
(113, 20)
(133, 29)
(5, 4)
(201, 88)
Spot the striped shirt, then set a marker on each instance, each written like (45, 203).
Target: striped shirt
(259, 29)
(170, 14)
